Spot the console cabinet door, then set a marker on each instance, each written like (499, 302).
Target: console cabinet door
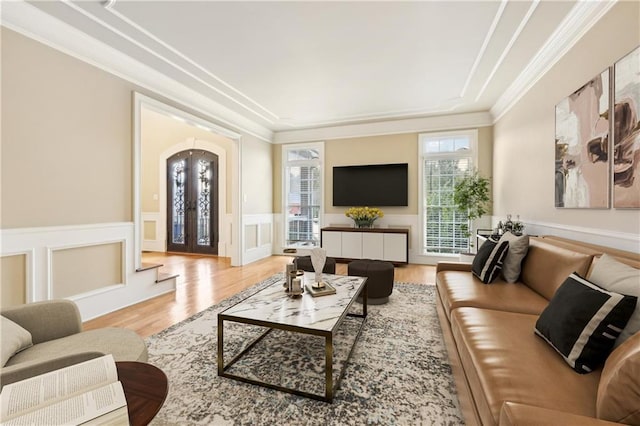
(352, 245)
(395, 247)
(372, 246)
(332, 243)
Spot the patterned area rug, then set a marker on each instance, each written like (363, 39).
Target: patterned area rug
(398, 373)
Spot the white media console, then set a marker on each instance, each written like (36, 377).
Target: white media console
(344, 244)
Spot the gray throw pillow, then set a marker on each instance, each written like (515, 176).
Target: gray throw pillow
(518, 248)
(14, 339)
(612, 275)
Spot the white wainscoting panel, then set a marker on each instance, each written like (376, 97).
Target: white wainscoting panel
(257, 237)
(157, 243)
(615, 239)
(40, 242)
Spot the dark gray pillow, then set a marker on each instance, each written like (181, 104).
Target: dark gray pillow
(488, 261)
(582, 322)
(518, 248)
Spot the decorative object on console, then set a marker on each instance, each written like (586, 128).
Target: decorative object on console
(488, 261)
(318, 259)
(514, 226)
(582, 321)
(581, 145)
(364, 216)
(518, 248)
(471, 198)
(626, 132)
(612, 275)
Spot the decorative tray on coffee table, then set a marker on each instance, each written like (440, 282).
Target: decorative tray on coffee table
(325, 290)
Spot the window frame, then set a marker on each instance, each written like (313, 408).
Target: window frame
(319, 146)
(423, 139)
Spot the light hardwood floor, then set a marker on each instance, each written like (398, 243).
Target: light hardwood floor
(206, 280)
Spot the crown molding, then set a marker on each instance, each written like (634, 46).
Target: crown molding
(411, 125)
(507, 49)
(576, 24)
(31, 22)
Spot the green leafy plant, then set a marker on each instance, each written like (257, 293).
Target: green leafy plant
(471, 196)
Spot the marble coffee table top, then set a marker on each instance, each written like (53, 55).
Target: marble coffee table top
(272, 305)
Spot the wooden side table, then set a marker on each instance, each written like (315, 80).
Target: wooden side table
(145, 388)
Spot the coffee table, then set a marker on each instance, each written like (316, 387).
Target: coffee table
(321, 316)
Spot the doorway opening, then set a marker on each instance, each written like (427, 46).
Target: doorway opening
(192, 202)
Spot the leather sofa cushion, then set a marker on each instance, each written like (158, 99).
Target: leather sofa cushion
(459, 289)
(513, 414)
(547, 266)
(504, 361)
(619, 388)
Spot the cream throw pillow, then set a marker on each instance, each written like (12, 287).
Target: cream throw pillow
(512, 264)
(612, 275)
(14, 339)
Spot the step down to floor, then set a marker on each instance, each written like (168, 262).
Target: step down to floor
(165, 277)
(148, 266)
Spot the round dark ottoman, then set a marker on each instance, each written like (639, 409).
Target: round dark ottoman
(379, 279)
(304, 263)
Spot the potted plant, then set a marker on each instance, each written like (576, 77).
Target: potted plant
(471, 197)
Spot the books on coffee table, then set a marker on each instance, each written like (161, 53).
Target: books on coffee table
(322, 291)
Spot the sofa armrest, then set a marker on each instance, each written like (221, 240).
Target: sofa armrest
(24, 370)
(48, 320)
(513, 414)
(453, 266)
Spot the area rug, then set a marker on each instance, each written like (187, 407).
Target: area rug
(398, 373)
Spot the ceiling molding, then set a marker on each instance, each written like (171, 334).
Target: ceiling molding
(578, 22)
(487, 39)
(30, 21)
(505, 52)
(191, 62)
(411, 125)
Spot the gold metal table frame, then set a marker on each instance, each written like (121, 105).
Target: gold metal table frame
(330, 387)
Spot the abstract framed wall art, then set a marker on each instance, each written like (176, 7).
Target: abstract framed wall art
(582, 146)
(626, 132)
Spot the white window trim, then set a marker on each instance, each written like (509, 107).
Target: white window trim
(472, 134)
(319, 146)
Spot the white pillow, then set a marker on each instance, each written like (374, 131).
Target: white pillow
(512, 264)
(14, 339)
(612, 275)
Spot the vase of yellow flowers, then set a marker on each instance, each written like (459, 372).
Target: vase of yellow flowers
(364, 216)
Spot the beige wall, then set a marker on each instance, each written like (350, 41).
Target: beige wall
(160, 132)
(398, 148)
(257, 176)
(14, 280)
(524, 138)
(66, 139)
(75, 270)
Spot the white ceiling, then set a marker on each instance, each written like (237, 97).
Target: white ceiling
(299, 65)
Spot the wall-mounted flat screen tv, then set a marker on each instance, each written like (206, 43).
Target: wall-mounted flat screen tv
(371, 185)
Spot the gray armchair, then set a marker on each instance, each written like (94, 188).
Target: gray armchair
(58, 340)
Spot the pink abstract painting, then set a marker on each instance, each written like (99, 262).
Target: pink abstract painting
(582, 146)
(626, 132)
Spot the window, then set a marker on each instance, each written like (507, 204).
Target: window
(444, 157)
(302, 194)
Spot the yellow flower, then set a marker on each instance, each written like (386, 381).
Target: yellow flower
(364, 213)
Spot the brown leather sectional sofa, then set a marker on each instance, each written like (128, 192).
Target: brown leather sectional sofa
(507, 375)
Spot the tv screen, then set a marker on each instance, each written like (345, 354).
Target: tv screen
(371, 185)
